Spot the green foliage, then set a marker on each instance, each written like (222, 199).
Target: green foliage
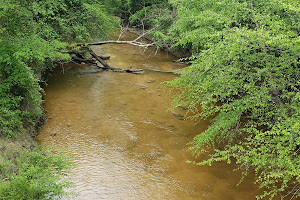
(156, 17)
(139, 5)
(152, 14)
(31, 174)
(118, 7)
(244, 73)
(201, 23)
(20, 96)
(97, 22)
(139, 11)
(32, 35)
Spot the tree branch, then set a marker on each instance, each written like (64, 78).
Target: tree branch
(135, 43)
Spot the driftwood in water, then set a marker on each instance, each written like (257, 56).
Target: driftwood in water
(83, 60)
(179, 62)
(134, 42)
(101, 64)
(130, 70)
(104, 65)
(108, 67)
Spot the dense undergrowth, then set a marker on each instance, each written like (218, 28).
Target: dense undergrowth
(34, 36)
(245, 72)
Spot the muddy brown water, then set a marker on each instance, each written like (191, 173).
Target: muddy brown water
(124, 142)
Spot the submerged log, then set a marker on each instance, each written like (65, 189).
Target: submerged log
(90, 72)
(164, 72)
(133, 71)
(178, 116)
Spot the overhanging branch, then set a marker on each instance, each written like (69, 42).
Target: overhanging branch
(135, 43)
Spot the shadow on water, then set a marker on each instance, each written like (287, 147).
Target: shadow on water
(125, 144)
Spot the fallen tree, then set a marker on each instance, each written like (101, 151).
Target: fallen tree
(90, 57)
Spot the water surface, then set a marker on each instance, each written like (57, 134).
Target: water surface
(124, 142)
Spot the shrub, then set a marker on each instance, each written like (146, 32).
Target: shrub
(32, 174)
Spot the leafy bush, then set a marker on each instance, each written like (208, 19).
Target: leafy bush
(31, 174)
(20, 97)
(245, 73)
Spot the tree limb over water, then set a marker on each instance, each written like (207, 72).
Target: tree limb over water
(134, 42)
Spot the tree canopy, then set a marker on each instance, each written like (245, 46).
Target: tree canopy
(244, 73)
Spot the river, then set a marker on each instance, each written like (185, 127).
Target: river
(124, 143)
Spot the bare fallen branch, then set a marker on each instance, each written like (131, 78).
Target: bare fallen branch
(144, 33)
(135, 43)
(123, 30)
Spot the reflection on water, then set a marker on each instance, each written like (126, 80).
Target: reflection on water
(125, 144)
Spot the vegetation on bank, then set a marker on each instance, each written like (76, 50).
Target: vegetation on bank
(245, 73)
(29, 172)
(33, 36)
